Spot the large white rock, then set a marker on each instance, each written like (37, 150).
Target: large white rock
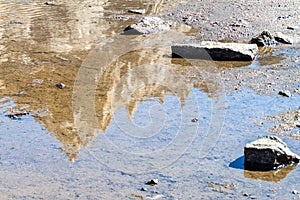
(210, 50)
(268, 153)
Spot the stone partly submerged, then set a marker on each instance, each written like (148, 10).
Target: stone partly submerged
(268, 153)
(209, 50)
(148, 25)
(266, 38)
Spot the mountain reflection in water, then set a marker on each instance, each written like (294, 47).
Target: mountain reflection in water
(44, 45)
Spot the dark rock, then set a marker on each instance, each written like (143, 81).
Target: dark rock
(264, 39)
(295, 192)
(144, 189)
(137, 11)
(280, 37)
(285, 17)
(16, 115)
(285, 93)
(209, 50)
(292, 28)
(194, 120)
(147, 25)
(60, 85)
(152, 182)
(268, 153)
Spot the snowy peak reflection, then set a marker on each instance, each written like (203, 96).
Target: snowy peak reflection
(146, 75)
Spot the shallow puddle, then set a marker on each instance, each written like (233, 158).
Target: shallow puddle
(128, 112)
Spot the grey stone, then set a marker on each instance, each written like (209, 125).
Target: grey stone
(148, 25)
(280, 37)
(268, 153)
(210, 50)
(264, 39)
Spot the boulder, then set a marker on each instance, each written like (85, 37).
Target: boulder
(148, 25)
(210, 50)
(280, 37)
(264, 39)
(268, 153)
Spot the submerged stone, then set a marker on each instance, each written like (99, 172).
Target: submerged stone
(268, 153)
(266, 38)
(147, 25)
(210, 50)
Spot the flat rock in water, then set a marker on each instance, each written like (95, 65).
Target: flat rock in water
(148, 25)
(268, 153)
(210, 50)
(264, 39)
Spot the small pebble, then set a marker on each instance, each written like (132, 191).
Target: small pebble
(295, 192)
(285, 93)
(144, 189)
(152, 182)
(60, 85)
(194, 120)
(138, 11)
(291, 28)
(37, 82)
(245, 195)
(50, 3)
